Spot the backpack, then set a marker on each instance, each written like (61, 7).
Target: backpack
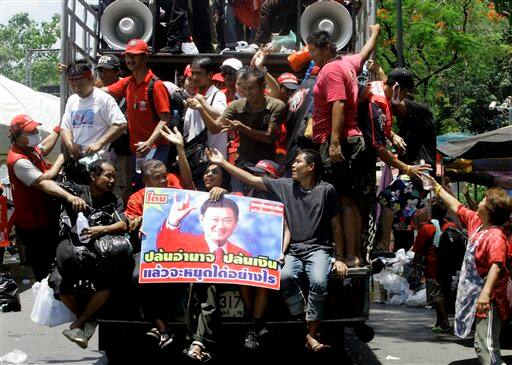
(376, 125)
(194, 149)
(451, 249)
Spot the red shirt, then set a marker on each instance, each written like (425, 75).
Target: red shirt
(141, 121)
(135, 204)
(492, 249)
(424, 238)
(337, 81)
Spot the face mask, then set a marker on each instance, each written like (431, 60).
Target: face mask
(33, 140)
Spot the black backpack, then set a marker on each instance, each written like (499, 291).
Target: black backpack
(451, 249)
(194, 148)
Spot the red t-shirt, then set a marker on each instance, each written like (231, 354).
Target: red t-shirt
(425, 235)
(135, 204)
(492, 249)
(141, 121)
(337, 81)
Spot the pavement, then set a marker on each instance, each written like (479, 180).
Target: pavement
(402, 336)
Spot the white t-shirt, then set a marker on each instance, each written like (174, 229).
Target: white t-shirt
(193, 123)
(89, 118)
(26, 171)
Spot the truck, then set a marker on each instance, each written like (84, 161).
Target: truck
(121, 329)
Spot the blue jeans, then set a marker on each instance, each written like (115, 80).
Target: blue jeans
(160, 153)
(317, 266)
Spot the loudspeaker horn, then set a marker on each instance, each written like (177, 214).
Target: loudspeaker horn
(124, 20)
(329, 16)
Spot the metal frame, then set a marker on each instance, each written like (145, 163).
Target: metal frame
(75, 24)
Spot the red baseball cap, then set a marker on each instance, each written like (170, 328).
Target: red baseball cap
(288, 80)
(218, 77)
(268, 166)
(188, 71)
(23, 123)
(136, 46)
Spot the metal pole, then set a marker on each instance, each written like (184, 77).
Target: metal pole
(28, 73)
(399, 33)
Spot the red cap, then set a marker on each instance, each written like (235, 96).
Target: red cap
(288, 80)
(188, 71)
(23, 123)
(136, 46)
(218, 77)
(267, 166)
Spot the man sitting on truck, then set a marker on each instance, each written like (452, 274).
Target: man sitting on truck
(312, 213)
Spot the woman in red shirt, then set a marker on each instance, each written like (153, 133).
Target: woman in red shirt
(484, 278)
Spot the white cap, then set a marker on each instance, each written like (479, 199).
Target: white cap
(234, 63)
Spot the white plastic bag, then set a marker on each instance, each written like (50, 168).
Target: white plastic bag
(417, 299)
(48, 311)
(14, 357)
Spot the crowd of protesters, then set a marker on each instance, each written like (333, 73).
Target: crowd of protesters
(232, 130)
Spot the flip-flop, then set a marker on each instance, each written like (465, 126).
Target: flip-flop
(319, 347)
(437, 329)
(202, 356)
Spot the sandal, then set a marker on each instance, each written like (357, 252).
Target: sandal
(194, 354)
(318, 347)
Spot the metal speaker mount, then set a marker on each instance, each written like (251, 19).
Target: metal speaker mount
(124, 20)
(329, 16)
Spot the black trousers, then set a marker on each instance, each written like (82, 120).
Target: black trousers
(268, 13)
(198, 20)
(203, 313)
(40, 247)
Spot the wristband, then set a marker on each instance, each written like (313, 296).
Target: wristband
(57, 129)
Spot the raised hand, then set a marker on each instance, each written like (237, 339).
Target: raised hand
(214, 156)
(174, 136)
(179, 210)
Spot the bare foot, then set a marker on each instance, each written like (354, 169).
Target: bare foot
(76, 324)
(352, 261)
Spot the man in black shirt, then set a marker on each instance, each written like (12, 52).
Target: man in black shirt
(312, 214)
(105, 212)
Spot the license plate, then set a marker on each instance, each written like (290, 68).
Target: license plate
(231, 305)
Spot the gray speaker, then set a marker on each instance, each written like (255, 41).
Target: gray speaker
(124, 20)
(329, 16)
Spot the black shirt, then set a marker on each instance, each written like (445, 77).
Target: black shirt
(418, 129)
(109, 203)
(308, 213)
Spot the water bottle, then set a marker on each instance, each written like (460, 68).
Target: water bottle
(81, 224)
(426, 182)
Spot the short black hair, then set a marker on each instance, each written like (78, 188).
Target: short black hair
(221, 203)
(312, 156)
(322, 39)
(149, 166)
(205, 63)
(254, 72)
(97, 167)
(437, 209)
(77, 68)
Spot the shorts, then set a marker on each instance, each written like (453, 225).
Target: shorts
(346, 176)
(434, 291)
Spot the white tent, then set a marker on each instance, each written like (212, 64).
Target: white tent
(16, 98)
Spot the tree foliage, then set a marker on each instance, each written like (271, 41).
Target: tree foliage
(460, 54)
(22, 33)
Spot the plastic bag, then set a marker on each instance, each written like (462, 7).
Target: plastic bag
(48, 311)
(14, 357)
(9, 294)
(417, 299)
(397, 299)
(392, 283)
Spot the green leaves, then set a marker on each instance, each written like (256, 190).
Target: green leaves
(460, 52)
(22, 33)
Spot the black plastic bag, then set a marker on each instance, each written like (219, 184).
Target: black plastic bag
(112, 245)
(9, 294)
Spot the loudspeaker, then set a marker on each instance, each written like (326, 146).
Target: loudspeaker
(124, 20)
(329, 16)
